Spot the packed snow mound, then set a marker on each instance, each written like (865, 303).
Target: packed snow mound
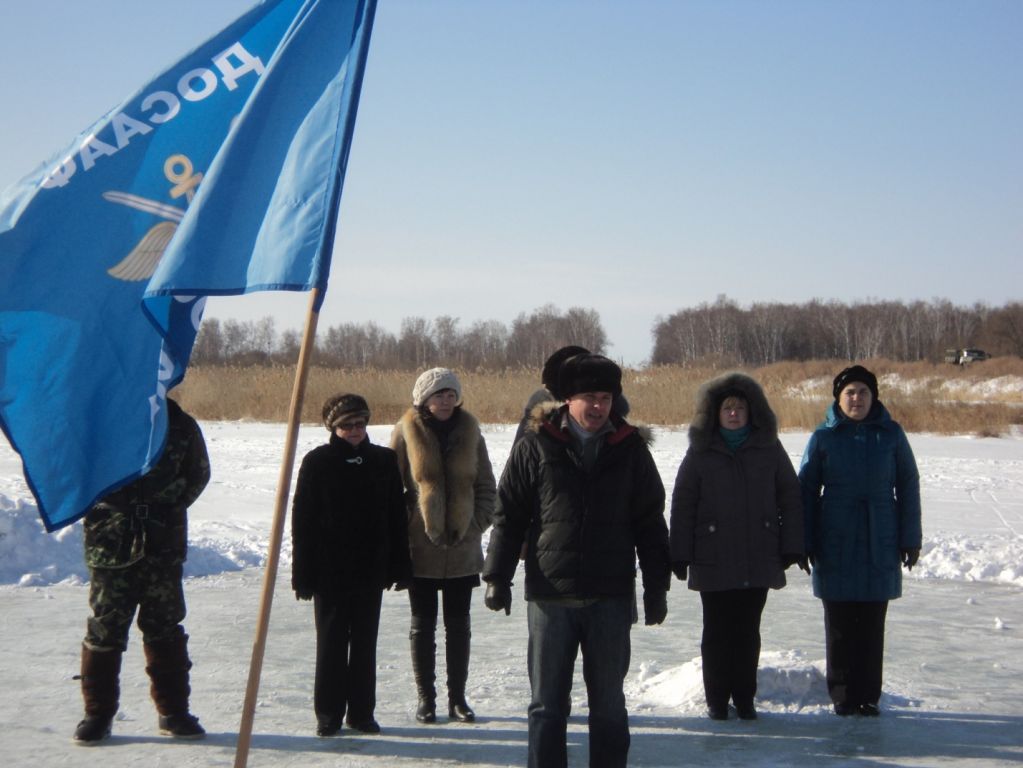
(964, 557)
(31, 557)
(786, 682)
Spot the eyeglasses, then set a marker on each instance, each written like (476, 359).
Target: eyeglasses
(351, 426)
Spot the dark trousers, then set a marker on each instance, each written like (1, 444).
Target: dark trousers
(854, 636)
(557, 631)
(346, 654)
(731, 645)
(424, 598)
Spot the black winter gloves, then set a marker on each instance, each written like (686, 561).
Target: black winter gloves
(909, 557)
(788, 561)
(680, 568)
(303, 594)
(498, 597)
(655, 607)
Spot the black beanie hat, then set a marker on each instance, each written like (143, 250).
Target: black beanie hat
(341, 408)
(552, 367)
(589, 373)
(855, 373)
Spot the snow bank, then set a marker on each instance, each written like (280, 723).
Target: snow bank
(786, 682)
(967, 390)
(30, 557)
(966, 557)
(972, 490)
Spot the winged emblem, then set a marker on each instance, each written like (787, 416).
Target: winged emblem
(141, 262)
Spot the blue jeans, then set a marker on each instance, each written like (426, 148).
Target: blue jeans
(556, 633)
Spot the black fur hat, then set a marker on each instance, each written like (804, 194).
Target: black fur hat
(589, 373)
(552, 367)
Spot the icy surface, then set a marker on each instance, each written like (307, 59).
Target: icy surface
(952, 694)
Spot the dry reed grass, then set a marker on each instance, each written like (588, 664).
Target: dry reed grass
(982, 399)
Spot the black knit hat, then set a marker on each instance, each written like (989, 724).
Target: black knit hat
(552, 367)
(341, 408)
(851, 374)
(589, 373)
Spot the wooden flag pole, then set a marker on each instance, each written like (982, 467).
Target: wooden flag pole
(277, 532)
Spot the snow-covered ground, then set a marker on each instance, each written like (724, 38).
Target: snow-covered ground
(953, 685)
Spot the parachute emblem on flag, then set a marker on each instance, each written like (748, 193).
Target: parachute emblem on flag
(141, 262)
(104, 264)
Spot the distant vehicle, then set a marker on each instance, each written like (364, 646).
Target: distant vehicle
(965, 356)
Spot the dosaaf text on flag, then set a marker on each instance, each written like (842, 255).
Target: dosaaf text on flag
(222, 175)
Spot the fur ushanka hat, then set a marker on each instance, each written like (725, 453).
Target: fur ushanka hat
(589, 373)
(552, 368)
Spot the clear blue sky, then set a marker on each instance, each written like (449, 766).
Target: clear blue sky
(630, 157)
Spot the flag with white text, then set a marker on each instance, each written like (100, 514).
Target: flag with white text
(222, 175)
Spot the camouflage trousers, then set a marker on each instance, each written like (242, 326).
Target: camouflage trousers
(151, 586)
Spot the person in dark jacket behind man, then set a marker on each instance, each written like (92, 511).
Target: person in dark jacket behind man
(736, 525)
(136, 540)
(349, 544)
(583, 490)
(861, 503)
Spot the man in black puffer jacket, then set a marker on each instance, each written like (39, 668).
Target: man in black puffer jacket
(582, 491)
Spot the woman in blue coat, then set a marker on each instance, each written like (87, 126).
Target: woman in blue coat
(861, 501)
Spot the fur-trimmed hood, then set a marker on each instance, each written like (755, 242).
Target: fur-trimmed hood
(704, 426)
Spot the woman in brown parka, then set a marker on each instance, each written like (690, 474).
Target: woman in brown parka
(736, 525)
(449, 494)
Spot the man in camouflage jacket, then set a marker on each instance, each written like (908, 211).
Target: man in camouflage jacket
(135, 545)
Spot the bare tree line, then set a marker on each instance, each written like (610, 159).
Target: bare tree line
(721, 332)
(420, 343)
(766, 333)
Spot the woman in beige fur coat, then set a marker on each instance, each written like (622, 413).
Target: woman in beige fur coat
(449, 495)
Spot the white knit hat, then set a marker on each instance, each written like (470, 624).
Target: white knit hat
(432, 381)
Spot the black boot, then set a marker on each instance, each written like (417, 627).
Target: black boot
(424, 663)
(101, 691)
(92, 730)
(167, 664)
(456, 649)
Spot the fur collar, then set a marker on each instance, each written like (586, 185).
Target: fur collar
(445, 484)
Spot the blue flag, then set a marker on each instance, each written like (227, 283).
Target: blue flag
(222, 175)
